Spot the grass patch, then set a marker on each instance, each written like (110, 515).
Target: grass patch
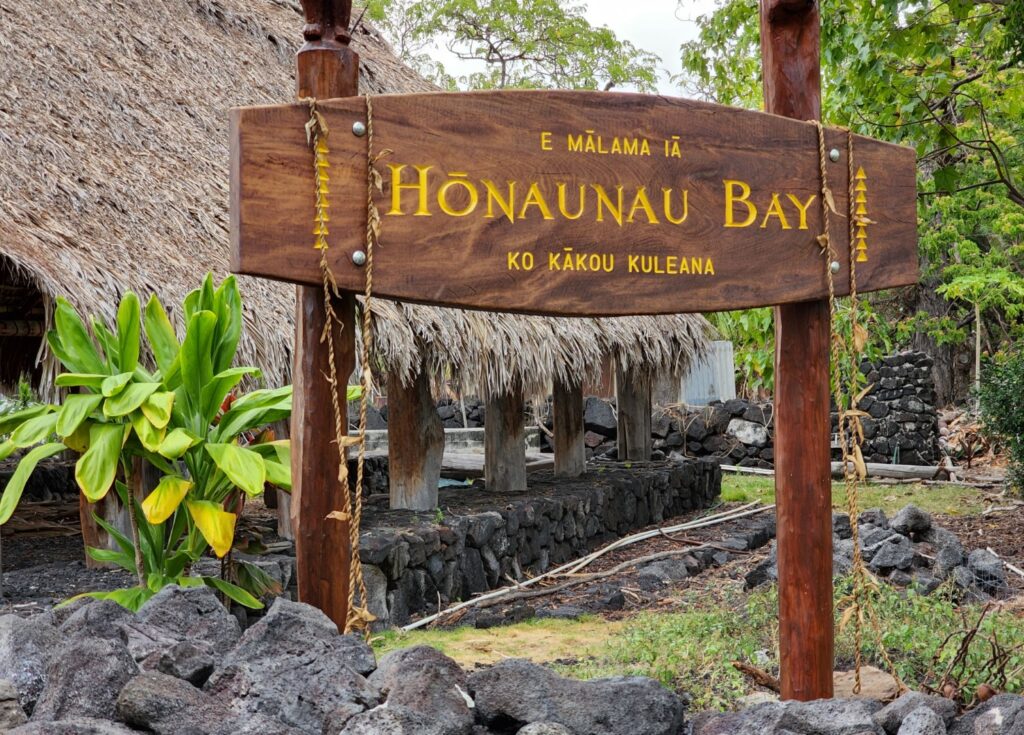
(540, 640)
(692, 650)
(947, 499)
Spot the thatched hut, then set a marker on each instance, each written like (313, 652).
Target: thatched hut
(115, 178)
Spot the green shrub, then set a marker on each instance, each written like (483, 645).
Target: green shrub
(184, 418)
(1002, 408)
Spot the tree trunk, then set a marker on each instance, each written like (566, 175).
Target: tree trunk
(567, 417)
(415, 443)
(633, 400)
(505, 444)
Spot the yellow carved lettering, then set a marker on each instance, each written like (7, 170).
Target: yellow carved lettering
(775, 210)
(575, 143)
(561, 202)
(667, 206)
(641, 202)
(535, 199)
(732, 198)
(457, 179)
(494, 197)
(545, 140)
(604, 202)
(397, 187)
(802, 208)
(633, 260)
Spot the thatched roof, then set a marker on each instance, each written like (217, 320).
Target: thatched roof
(113, 118)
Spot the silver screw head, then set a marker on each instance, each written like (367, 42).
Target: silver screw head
(359, 257)
(359, 128)
(834, 266)
(833, 155)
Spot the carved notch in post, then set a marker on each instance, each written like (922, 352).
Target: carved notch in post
(326, 68)
(790, 53)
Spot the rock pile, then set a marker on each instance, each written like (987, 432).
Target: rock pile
(182, 666)
(908, 550)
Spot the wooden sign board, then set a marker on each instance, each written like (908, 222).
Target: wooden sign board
(570, 203)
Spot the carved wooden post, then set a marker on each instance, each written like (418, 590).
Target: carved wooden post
(790, 50)
(415, 443)
(567, 418)
(505, 444)
(633, 401)
(327, 67)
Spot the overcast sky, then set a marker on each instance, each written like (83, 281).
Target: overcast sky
(659, 26)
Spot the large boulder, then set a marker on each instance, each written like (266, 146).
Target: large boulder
(922, 721)
(293, 666)
(891, 716)
(25, 648)
(832, 716)
(518, 692)
(424, 680)
(192, 614)
(387, 720)
(192, 662)
(599, 418)
(74, 726)
(167, 705)
(911, 520)
(749, 433)
(84, 678)
(895, 553)
(11, 713)
(1000, 715)
(987, 570)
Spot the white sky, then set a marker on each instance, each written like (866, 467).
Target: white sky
(659, 26)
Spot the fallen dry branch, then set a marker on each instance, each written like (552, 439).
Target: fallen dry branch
(760, 676)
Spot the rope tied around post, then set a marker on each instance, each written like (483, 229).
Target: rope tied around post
(359, 617)
(858, 605)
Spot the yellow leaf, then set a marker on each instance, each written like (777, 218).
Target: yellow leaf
(160, 504)
(858, 462)
(157, 408)
(860, 338)
(216, 524)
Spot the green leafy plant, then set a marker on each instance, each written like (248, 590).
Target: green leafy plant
(184, 418)
(1002, 408)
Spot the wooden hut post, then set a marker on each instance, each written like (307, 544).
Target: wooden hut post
(633, 400)
(327, 68)
(415, 443)
(567, 417)
(790, 59)
(505, 443)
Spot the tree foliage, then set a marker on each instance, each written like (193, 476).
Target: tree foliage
(518, 43)
(945, 77)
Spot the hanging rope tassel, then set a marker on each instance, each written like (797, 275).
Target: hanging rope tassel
(359, 616)
(859, 606)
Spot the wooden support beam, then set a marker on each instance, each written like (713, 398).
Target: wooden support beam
(567, 418)
(415, 443)
(790, 51)
(633, 401)
(505, 444)
(327, 68)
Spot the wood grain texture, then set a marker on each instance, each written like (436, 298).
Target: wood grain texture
(633, 401)
(415, 443)
(467, 138)
(322, 546)
(790, 62)
(505, 444)
(568, 429)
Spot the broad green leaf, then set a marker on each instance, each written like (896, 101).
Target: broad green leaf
(110, 556)
(75, 341)
(129, 331)
(108, 343)
(277, 458)
(149, 436)
(219, 387)
(95, 470)
(75, 410)
(234, 592)
(78, 440)
(162, 339)
(6, 449)
(123, 542)
(176, 443)
(34, 430)
(258, 408)
(190, 582)
(215, 524)
(354, 392)
(115, 384)
(75, 380)
(157, 408)
(132, 598)
(11, 421)
(243, 467)
(228, 308)
(16, 485)
(129, 399)
(196, 361)
(160, 504)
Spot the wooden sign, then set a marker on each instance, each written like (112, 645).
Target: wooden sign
(565, 203)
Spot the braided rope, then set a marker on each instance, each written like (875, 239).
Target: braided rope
(859, 604)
